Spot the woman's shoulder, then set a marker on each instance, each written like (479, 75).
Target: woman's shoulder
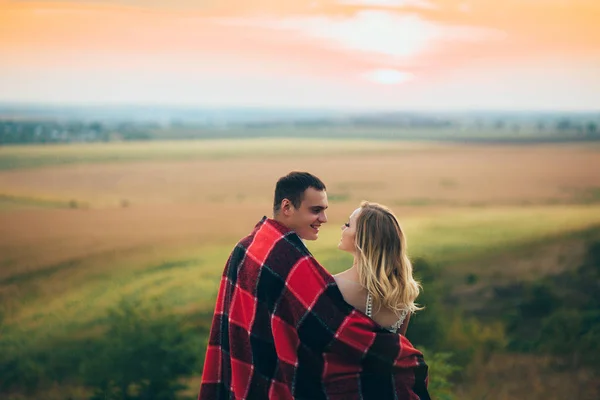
(346, 279)
(353, 292)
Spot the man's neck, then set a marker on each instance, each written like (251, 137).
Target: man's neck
(281, 221)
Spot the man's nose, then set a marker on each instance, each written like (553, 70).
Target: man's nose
(323, 217)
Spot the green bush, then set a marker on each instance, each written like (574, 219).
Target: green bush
(573, 334)
(426, 327)
(142, 356)
(441, 370)
(17, 372)
(471, 279)
(557, 315)
(141, 353)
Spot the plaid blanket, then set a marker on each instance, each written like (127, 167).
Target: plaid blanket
(281, 330)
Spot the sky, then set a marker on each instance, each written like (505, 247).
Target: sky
(335, 54)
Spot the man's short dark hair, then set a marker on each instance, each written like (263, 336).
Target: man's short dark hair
(292, 187)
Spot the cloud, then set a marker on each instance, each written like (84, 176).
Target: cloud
(377, 32)
(390, 3)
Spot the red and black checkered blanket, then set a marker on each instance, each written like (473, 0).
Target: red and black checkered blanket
(282, 330)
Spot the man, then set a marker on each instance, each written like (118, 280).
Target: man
(281, 328)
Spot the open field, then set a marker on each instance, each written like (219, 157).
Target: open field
(244, 172)
(83, 227)
(24, 156)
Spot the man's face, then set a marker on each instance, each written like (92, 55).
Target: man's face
(308, 218)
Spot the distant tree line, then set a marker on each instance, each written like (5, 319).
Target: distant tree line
(24, 132)
(588, 128)
(384, 126)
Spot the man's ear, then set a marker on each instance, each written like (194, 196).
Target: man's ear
(286, 207)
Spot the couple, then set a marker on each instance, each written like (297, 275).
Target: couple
(284, 328)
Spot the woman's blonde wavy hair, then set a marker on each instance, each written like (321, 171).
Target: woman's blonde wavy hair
(382, 262)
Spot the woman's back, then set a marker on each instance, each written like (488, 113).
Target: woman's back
(358, 297)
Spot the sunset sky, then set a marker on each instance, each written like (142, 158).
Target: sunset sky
(359, 54)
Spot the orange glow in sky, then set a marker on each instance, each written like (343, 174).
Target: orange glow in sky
(370, 54)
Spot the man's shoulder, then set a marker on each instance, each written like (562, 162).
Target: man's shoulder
(270, 241)
(246, 240)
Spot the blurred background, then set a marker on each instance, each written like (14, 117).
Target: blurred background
(139, 140)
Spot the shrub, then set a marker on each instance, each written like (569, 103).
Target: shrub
(143, 356)
(441, 370)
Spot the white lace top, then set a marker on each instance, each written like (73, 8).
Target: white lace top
(393, 328)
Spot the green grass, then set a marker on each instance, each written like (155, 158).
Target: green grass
(20, 157)
(189, 279)
(10, 203)
(467, 235)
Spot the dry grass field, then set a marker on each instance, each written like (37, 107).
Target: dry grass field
(396, 173)
(83, 226)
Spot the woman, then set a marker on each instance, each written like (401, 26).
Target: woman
(380, 282)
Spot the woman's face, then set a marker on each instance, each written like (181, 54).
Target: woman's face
(349, 233)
